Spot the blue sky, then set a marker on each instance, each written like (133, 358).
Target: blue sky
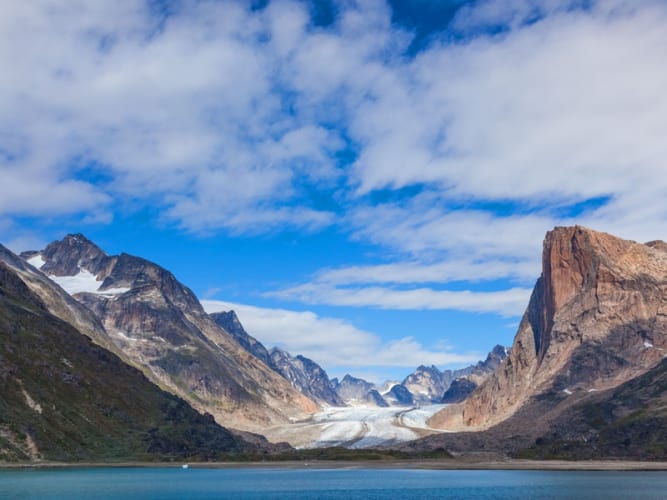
(366, 182)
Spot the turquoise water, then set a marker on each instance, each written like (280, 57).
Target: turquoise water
(166, 483)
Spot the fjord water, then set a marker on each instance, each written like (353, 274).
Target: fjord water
(173, 483)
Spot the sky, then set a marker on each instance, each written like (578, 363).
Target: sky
(366, 182)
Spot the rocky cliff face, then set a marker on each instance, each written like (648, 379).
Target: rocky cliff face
(159, 325)
(597, 318)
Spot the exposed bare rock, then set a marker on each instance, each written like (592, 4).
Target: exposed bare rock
(597, 318)
(303, 373)
(399, 395)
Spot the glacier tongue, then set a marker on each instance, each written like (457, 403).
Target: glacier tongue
(360, 427)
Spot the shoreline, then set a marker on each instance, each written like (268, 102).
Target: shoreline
(454, 464)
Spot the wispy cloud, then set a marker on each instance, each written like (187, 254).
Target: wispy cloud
(510, 302)
(336, 343)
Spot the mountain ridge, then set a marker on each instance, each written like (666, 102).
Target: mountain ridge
(159, 324)
(57, 402)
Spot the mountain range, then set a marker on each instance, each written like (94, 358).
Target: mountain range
(111, 356)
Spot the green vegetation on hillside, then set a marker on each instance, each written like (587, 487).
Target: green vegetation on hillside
(63, 398)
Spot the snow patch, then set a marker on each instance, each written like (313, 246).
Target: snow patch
(592, 390)
(567, 391)
(647, 344)
(86, 282)
(124, 335)
(36, 261)
(31, 402)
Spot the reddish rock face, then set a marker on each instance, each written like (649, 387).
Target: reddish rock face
(597, 318)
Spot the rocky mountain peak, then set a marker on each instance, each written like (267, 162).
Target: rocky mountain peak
(597, 317)
(357, 391)
(68, 256)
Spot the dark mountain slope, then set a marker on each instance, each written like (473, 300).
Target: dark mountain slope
(64, 398)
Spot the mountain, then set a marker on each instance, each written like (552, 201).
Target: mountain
(58, 301)
(459, 390)
(230, 322)
(480, 371)
(399, 395)
(427, 384)
(159, 325)
(628, 421)
(358, 392)
(462, 386)
(65, 398)
(304, 374)
(597, 319)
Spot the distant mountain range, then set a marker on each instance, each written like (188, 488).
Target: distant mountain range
(107, 357)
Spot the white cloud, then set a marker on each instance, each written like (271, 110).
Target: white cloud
(553, 112)
(333, 342)
(417, 272)
(510, 302)
(219, 115)
(188, 115)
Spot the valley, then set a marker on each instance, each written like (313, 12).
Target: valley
(584, 377)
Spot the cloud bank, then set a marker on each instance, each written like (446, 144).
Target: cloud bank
(454, 160)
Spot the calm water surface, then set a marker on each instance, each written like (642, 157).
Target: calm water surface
(164, 483)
